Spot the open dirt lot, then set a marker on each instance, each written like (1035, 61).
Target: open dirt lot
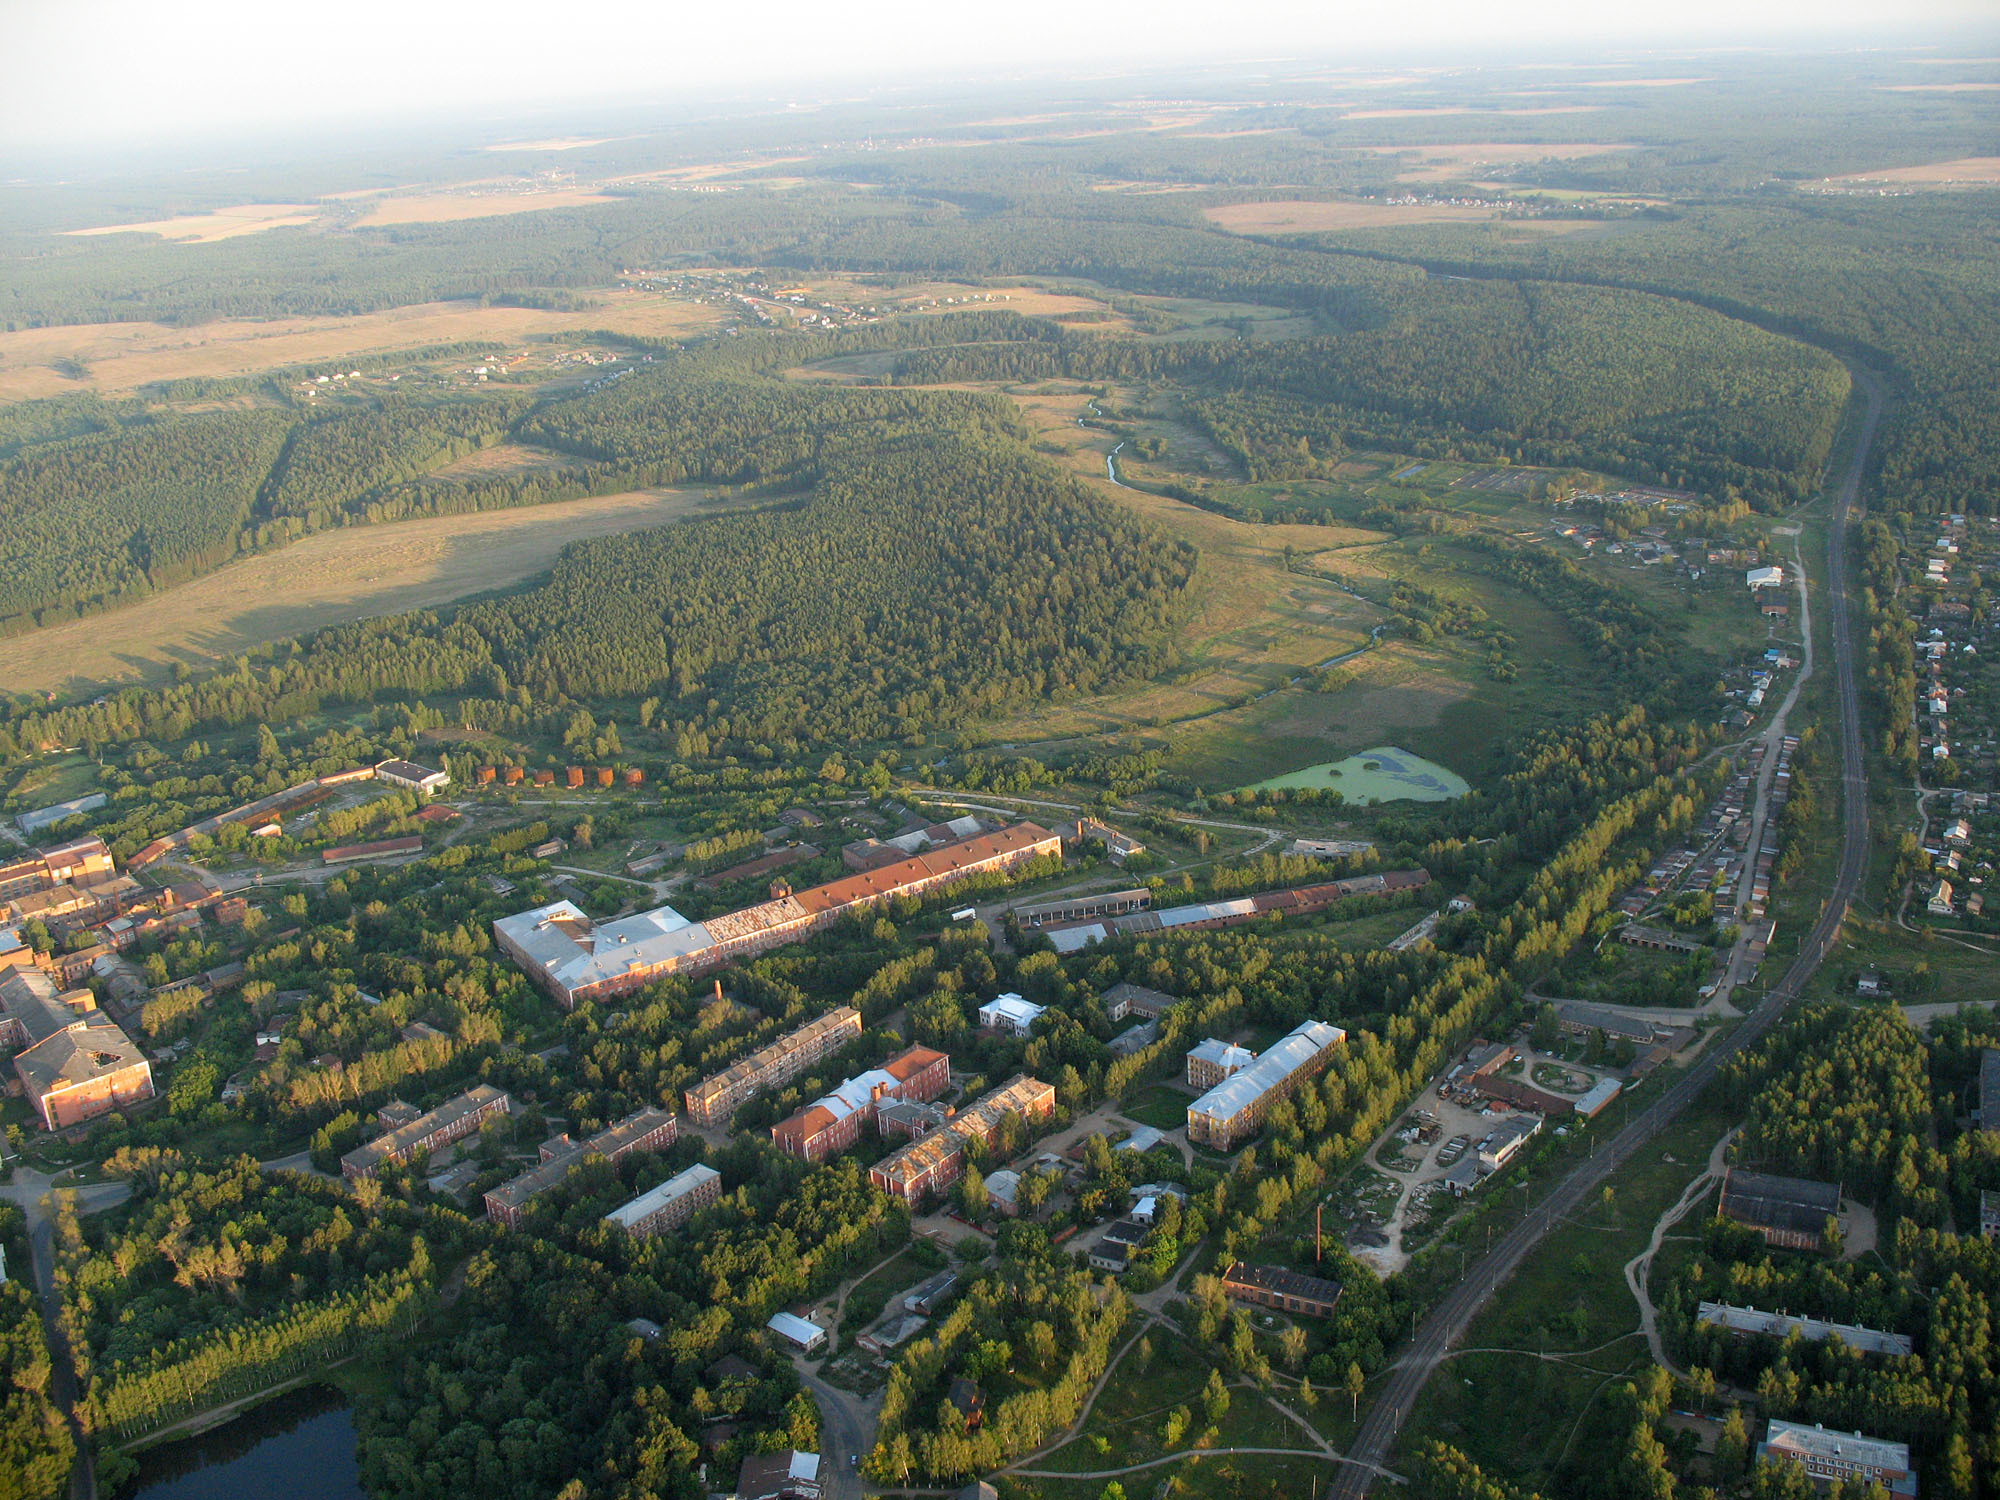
(1961, 170)
(323, 580)
(125, 356)
(1299, 217)
(223, 224)
(441, 208)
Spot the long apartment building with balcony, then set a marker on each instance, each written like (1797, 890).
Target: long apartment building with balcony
(1235, 1107)
(712, 1101)
(648, 1130)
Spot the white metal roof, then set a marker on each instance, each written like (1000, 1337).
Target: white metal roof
(1076, 939)
(791, 1326)
(575, 951)
(1016, 1010)
(1231, 1096)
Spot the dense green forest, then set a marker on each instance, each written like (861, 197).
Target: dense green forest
(35, 1447)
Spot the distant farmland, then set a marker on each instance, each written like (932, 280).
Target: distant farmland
(327, 579)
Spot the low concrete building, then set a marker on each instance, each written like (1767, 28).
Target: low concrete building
(799, 1332)
(417, 778)
(1507, 1141)
(790, 1475)
(1123, 1000)
(1746, 1322)
(1282, 1290)
(1010, 1013)
(1790, 1212)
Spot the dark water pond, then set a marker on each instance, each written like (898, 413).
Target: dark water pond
(299, 1446)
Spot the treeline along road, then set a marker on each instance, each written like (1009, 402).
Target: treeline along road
(1449, 1320)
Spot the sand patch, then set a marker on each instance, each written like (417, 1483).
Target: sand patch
(222, 224)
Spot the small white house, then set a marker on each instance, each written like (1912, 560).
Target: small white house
(1765, 578)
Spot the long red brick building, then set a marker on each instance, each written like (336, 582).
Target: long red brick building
(931, 1163)
(573, 958)
(835, 1122)
(648, 1130)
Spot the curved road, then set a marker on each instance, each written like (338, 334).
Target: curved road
(1449, 1320)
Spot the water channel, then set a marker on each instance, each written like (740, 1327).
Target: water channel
(299, 1445)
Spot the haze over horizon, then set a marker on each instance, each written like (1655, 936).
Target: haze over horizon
(136, 77)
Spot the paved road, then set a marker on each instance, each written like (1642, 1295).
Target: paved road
(29, 1191)
(1451, 1317)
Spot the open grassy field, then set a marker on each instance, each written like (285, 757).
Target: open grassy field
(1565, 1329)
(323, 580)
(452, 205)
(1256, 624)
(222, 224)
(125, 356)
(1300, 216)
(1963, 171)
(1463, 158)
(1381, 774)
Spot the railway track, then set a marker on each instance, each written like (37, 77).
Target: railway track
(1449, 1320)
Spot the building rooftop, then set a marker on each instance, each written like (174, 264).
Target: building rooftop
(562, 941)
(751, 1064)
(767, 1475)
(797, 1329)
(654, 1199)
(1222, 1054)
(1815, 1330)
(1828, 1442)
(1290, 1052)
(398, 1142)
(1283, 1282)
(1794, 1203)
(1015, 1010)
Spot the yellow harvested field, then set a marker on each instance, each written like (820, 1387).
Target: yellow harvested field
(1964, 169)
(443, 208)
(1299, 217)
(1427, 111)
(327, 579)
(223, 224)
(556, 143)
(125, 356)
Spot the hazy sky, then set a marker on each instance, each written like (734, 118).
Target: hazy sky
(144, 71)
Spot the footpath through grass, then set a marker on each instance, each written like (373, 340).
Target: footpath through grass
(1522, 1396)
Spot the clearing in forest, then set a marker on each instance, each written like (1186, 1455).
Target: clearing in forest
(125, 356)
(1961, 171)
(447, 207)
(1297, 216)
(222, 224)
(326, 579)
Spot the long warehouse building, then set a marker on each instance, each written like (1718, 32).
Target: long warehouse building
(1236, 1106)
(574, 958)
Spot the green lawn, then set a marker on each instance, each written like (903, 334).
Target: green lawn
(1566, 1326)
(1160, 1106)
